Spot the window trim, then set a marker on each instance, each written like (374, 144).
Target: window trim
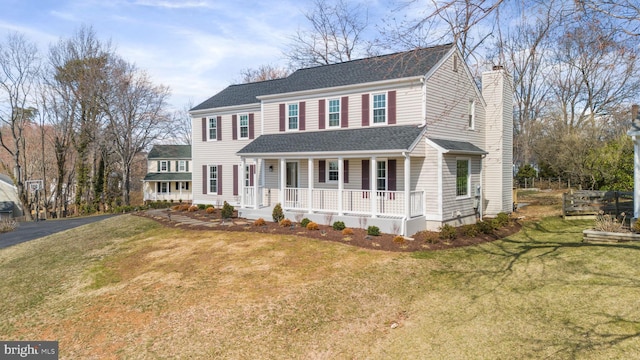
(338, 112)
(166, 165)
(328, 171)
(213, 120)
(240, 116)
(209, 179)
(373, 108)
(182, 166)
(386, 174)
(167, 190)
(289, 117)
(468, 178)
(471, 125)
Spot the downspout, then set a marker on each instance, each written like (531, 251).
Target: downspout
(407, 192)
(424, 100)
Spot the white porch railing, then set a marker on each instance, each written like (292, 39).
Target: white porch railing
(153, 196)
(249, 196)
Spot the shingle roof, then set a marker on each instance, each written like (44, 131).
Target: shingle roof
(183, 176)
(170, 152)
(393, 66)
(391, 138)
(461, 147)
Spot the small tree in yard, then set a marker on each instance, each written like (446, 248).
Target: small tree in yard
(277, 213)
(227, 210)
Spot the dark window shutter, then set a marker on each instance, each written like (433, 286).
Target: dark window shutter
(251, 131)
(186, 165)
(177, 185)
(344, 111)
(252, 172)
(365, 175)
(302, 115)
(391, 102)
(282, 117)
(204, 129)
(235, 179)
(219, 179)
(169, 187)
(321, 113)
(234, 130)
(345, 171)
(169, 166)
(322, 166)
(186, 185)
(157, 187)
(177, 167)
(204, 179)
(391, 180)
(219, 128)
(158, 165)
(365, 109)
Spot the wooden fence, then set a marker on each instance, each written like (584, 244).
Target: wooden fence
(592, 202)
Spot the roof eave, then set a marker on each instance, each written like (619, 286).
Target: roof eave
(323, 154)
(222, 109)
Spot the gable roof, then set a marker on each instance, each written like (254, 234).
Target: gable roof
(385, 67)
(170, 152)
(369, 139)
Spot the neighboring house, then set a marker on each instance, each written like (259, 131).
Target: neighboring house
(168, 174)
(405, 142)
(10, 205)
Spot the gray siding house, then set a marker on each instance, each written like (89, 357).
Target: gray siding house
(404, 141)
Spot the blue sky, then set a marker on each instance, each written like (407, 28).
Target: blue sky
(196, 47)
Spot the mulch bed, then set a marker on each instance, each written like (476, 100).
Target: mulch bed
(424, 240)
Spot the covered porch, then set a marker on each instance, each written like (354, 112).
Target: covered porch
(173, 187)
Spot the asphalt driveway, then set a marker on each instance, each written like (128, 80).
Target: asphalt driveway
(31, 230)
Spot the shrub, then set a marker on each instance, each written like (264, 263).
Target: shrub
(447, 232)
(484, 227)
(210, 210)
(184, 207)
(305, 222)
(609, 223)
(347, 232)
(259, 222)
(193, 208)
(202, 206)
(636, 227)
(7, 225)
(502, 219)
(470, 230)
(398, 239)
(175, 207)
(227, 210)
(285, 223)
(312, 226)
(338, 225)
(431, 237)
(277, 213)
(373, 231)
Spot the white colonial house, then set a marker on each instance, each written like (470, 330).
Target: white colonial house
(404, 141)
(168, 174)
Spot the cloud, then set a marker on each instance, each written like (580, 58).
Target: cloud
(174, 4)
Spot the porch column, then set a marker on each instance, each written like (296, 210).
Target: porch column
(407, 187)
(243, 164)
(636, 177)
(259, 165)
(282, 182)
(310, 185)
(340, 184)
(373, 185)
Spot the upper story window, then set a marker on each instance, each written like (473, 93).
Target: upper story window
(292, 117)
(472, 114)
(462, 177)
(380, 108)
(244, 126)
(334, 112)
(163, 166)
(182, 165)
(213, 129)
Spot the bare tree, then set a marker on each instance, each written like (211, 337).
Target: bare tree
(263, 73)
(627, 11)
(19, 69)
(336, 35)
(181, 127)
(135, 110)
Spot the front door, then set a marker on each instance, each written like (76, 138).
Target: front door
(292, 184)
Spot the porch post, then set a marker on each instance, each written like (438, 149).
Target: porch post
(310, 184)
(243, 163)
(407, 187)
(259, 164)
(636, 177)
(282, 182)
(373, 185)
(340, 184)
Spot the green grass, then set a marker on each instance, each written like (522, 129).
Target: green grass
(144, 291)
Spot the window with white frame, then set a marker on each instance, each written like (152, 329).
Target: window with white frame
(332, 174)
(213, 128)
(163, 188)
(164, 165)
(247, 176)
(334, 112)
(244, 126)
(213, 179)
(462, 177)
(293, 117)
(472, 114)
(381, 176)
(380, 108)
(182, 165)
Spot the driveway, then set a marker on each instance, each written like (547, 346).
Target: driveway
(31, 230)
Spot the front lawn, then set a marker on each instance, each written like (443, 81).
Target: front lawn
(128, 287)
